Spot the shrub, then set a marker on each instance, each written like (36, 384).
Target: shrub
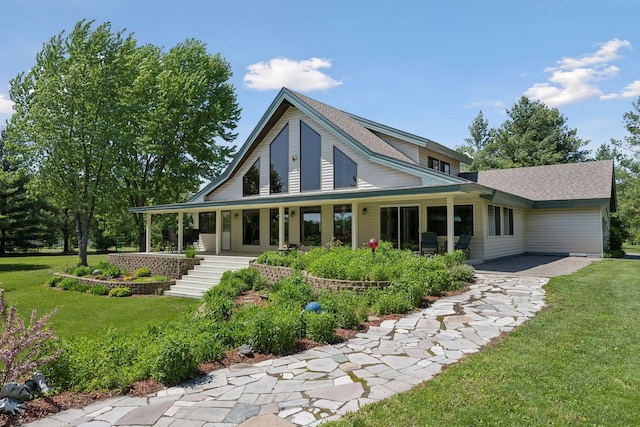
(110, 270)
(251, 277)
(53, 281)
(120, 292)
(171, 359)
(279, 258)
(99, 290)
(292, 292)
(143, 272)
(461, 273)
(349, 308)
(389, 302)
(161, 279)
(24, 348)
(68, 284)
(190, 252)
(274, 330)
(218, 307)
(82, 271)
(320, 327)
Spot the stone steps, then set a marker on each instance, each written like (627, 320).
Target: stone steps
(206, 275)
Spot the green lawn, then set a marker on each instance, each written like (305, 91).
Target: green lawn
(630, 248)
(576, 363)
(22, 278)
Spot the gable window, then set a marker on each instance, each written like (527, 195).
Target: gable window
(342, 223)
(251, 227)
(279, 163)
(345, 170)
(274, 215)
(207, 222)
(310, 153)
(251, 180)
(433, 163)
(507, 221)
(310, 225)
(445, 167)
(493, 213)
(462, 219)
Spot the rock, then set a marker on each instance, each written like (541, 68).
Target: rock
(245, 350)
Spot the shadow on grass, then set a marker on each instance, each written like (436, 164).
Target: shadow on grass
(23, 267)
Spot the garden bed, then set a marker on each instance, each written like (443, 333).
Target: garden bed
(136, 287)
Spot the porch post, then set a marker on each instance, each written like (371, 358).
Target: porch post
(280, 227)
(355, 214)
(148, 233)
(450, 225)
(180, 231)
(218, 231)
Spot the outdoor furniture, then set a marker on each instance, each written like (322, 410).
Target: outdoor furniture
(429, 243)
(191, 237)
(169, 239)
(463, 244)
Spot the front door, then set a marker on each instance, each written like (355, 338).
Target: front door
(400, 225)
(226, 230)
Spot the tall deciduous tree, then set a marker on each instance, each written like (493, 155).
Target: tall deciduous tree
(533, 135)
(110, 124)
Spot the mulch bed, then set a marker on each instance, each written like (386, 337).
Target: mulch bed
(45, 406)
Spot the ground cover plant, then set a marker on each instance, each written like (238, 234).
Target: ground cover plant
(575, 363)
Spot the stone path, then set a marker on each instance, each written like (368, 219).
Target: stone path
(324, 383)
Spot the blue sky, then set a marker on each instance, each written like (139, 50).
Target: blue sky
(425, 67)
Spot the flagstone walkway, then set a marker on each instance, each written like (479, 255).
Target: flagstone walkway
(324, 383)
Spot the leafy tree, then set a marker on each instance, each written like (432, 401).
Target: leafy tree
(533, 135)
(110, 124)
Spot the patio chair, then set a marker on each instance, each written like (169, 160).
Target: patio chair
(191, 237)
(429, 243)
(463, 244)
(169, 240)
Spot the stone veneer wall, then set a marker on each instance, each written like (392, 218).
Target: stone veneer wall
(137, 288)
(173, 266)
(272, 274)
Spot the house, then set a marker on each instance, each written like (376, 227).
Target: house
(310, 173)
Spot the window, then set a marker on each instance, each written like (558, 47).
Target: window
(433, 163)
(345, 170)
(251, 180)
(507, 221)
(445, 167)
(494, 220)
(310, 217)
(207, 222)
(274, 215)
(310, 154)
(342, 223)
(251, 227)
(279, 163)
(462, 219)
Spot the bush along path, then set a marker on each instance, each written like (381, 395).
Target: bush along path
(326, 382)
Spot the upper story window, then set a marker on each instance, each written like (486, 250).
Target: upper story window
(310, 153)
(433, 163)
(445, 167)
(251, 180)
(279, 163)
(345, 170)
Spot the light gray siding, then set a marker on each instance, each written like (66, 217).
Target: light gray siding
(564, 231)
(505, 245)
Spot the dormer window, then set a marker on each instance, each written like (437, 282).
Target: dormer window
(251, 180)
(433, 163)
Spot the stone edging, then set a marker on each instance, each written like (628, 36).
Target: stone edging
(170, 265)
(275, 273)
(137, 288)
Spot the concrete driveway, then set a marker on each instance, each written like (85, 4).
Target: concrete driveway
(536, 265)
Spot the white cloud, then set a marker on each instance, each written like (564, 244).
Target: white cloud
(6, 105)
(298, 75)
(631, 90)
(575, 79)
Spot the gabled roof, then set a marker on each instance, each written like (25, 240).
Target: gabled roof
(345, 126)
(561, 182)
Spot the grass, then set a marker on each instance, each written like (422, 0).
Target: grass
(23, 278)
(630, 248)
(575, 363)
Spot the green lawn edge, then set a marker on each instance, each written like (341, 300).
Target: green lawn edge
(575, 363)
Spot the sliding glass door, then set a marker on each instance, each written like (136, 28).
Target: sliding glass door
(400, 225)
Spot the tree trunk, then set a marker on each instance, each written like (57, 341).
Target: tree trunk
(82, 231)
(142, 232)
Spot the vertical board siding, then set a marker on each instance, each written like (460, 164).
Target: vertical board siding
(564, 231)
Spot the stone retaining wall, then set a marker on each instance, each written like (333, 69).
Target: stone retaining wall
(170, 265)
(272, 274)
(137, 288)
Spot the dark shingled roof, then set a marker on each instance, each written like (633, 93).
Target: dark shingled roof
(568, 181)
(354, 129)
